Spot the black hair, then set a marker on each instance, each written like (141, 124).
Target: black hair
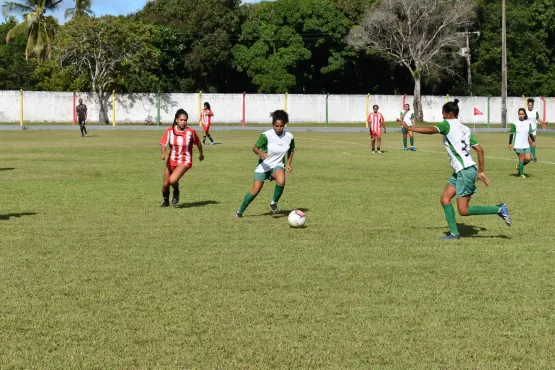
(452, 107)
(375, 106)
(530, 101)
(207, 104)
(179, 112)
(279, 115)
(525, 114)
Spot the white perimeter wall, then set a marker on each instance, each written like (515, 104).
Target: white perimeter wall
(228, 108)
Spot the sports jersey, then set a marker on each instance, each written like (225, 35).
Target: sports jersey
(407, 118)
(81, 110)
(457, 139)
(181, 145)
(376, 120)
(521, 130)
(207, 117)
(276, 147)
(533, 116)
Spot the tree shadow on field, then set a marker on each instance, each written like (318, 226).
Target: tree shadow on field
(471, 231)
(201, 203)
(284, 213)
(10, 215)
(7, 169)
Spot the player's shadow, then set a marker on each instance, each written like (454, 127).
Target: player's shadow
(516, 175)
(284, 213)
(7, 169)
(471, 231)
(201, 203)
(14, 215)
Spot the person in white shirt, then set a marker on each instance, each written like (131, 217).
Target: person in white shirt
(271, 148)
(458, 139)
(519, 140)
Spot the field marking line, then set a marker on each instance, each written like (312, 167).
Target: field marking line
(391, 148)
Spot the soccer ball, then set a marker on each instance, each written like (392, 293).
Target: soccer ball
(296, 218)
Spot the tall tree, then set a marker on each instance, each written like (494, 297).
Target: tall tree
(15, 72)
(40, 29)
(106, 49)
(82, 8)
(420, 35)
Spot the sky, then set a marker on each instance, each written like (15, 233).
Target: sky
(103, 7)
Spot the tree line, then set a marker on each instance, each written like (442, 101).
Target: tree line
(295, 46)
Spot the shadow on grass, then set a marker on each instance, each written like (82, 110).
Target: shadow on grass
(471, 231)
(7, 169)
(516, 175)
(10, 215)
(202, 203)
(283, 213)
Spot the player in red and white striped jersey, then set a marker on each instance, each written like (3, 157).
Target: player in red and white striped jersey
(376, 123)
(180, 138)
(207, 115)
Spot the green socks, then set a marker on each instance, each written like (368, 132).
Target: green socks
(278, 190)
(246, 201)
(483, 210)
(405, 142)
(533, 149)
(411, 141)
(451, 219)
(521, 168)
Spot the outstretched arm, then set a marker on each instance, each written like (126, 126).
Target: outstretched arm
(430, 130)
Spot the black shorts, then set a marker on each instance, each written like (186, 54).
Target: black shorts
(81, 122)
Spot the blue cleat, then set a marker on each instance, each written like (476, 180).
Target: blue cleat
(504, 213)
(450, 237)
(413, 149)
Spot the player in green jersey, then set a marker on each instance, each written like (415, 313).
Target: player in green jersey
(271, 148)
(458, 140)
(520, 138)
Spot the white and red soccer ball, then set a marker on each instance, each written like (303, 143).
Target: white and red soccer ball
(296, 218)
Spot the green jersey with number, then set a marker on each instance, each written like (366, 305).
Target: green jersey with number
(458, 139)
(520, 131)
(276, 147)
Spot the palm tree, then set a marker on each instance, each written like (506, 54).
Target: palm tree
(40, 29)
(82, 7)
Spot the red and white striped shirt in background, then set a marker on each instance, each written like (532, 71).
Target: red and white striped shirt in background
(375, 122)
(207, 117)
(181, 145)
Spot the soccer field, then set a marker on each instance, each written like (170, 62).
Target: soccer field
(95, 275)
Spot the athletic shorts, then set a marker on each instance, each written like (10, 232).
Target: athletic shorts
(173, 166)
(206, 127)
(523, 151)
(81, 122)
(267, 176)
(464, 181)
(375, 134)
(404, 130)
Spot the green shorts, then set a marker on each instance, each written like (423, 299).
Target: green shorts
(404, 130)
(523, 151)
(267, 176)
(464, 181)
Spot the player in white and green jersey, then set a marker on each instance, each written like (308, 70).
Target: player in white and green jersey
(408, 118)
(271, 148)
(520, 138)
(458, 139)
(534, 117)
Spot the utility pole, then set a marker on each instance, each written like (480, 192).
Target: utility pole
(465, 53)
(503, 65)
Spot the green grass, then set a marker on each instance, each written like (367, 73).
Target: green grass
(95, 275)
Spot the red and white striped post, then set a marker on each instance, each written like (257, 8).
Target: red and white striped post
(544, 111)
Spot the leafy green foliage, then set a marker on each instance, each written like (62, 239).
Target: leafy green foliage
(15, 72)
(82, 8)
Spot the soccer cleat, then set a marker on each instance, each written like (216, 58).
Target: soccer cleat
(504, 213)
(522, 176)
(405, 149)
(373, 152)
(86, 134)
(175, 198)
(212, 143)
(413, 149)
(379, 152)
(274, 208)
(238, 214)
(165, 204)
(450, 237)
(535, 160)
